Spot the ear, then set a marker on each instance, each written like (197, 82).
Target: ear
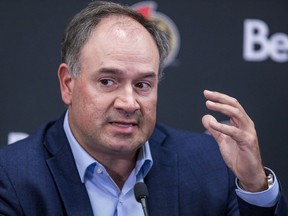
(66, 83)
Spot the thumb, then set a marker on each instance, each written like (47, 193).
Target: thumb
(207, 120)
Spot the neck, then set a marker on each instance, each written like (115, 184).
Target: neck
(119, 168)
(120, 173)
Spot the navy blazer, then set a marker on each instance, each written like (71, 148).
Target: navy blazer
(38, 176)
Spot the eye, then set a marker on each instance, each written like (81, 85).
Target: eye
(107, 82)
(143, 86)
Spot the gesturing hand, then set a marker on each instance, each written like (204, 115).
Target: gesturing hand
(237, 141)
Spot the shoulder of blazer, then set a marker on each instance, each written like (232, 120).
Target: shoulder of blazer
(168, 136)
(36, 140)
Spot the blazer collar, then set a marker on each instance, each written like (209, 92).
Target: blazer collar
(63, 169)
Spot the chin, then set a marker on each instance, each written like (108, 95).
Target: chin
(124, 148)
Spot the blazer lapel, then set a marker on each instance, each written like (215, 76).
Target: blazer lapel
(162, 180)
(65, 173)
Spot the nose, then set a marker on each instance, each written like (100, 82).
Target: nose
(126, 100)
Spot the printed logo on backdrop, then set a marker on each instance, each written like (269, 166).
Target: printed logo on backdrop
(16, 136)
(164, 23)
(259, 44)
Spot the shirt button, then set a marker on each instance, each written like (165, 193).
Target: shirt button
(99, 170)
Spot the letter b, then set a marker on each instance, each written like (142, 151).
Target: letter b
(256, 43)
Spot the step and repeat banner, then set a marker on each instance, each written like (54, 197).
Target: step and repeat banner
(236, 47)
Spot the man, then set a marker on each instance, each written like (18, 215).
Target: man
(88, 161)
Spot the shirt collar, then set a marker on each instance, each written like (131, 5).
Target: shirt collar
(84, 160)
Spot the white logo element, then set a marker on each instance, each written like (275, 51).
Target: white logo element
(257, 46)
(15, 136)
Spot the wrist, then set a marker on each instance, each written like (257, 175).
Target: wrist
(263, 183)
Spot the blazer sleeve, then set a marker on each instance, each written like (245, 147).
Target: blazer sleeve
(280, 209)
(9, 204)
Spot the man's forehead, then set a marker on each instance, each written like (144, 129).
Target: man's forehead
(119, 24)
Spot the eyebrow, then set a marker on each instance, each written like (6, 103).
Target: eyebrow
(115, 71)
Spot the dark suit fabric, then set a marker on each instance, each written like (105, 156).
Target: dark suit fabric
(38, 176)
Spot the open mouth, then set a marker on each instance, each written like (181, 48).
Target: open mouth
(123, 124)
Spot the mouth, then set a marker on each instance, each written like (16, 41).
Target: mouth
(124, 124)
(124, 127)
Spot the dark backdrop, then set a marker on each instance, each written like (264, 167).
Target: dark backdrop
(211, 56)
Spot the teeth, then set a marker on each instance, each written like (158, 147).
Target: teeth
(122, 124)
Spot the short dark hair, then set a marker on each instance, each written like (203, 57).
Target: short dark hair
(79, 30)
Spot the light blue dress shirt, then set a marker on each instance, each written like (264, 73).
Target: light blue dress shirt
(105, 196)
(108, 200)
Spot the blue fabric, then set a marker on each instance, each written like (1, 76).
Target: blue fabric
(38, 176)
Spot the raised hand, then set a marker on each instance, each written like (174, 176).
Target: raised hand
(237, 141)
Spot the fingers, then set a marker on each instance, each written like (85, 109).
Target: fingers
(217, 129)
(222, 99)
(241, 127)
(228, 106)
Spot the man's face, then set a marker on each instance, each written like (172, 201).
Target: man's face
(112, 103)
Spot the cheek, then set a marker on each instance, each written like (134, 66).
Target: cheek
(149, 109)
(85, 102)
(149, 118)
